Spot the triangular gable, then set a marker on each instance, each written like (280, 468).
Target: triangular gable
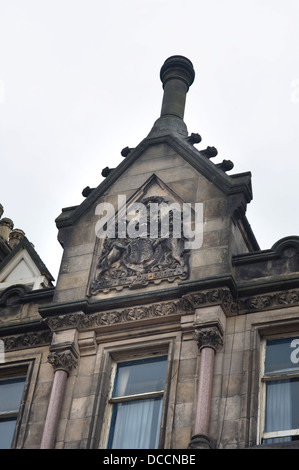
(24, 266)
(233, 184)
(137, 260)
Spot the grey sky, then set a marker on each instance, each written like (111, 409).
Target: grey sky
(79, 80)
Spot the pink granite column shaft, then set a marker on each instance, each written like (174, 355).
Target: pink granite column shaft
(204, 391)
(54, 409)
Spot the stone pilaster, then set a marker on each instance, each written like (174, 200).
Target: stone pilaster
(209, 339)
(63, 357)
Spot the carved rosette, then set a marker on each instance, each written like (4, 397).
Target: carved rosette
(64, 360)
(208, 337)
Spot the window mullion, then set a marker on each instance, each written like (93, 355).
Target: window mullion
(8, 415)
(284, 433)
(138, 396)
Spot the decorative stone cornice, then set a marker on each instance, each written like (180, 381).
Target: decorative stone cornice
(189, 302)
(269, 301)
(64, 322)
(245, 304)
(27, 340)
(205, 298)
(209, 335)
(83, 321)
(63, 360)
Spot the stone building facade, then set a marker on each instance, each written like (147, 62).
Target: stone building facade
(169, 336)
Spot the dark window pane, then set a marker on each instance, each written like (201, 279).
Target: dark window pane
(11, 391)
(135, 424)
(282, 355)
(140, 377)
(7, 428)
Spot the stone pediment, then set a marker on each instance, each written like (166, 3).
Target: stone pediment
(150, 251)
(228, 184)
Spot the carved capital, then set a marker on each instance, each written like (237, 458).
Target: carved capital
(208, 336)
(64, 360)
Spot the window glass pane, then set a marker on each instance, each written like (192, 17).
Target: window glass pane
(7, 428)
(282, 355)
(136, 424)
(140, 377)
(11, 391)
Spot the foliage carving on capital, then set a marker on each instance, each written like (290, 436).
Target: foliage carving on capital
(64, 360)
(208, 337)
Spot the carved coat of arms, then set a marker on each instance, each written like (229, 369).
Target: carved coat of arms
(135, 262)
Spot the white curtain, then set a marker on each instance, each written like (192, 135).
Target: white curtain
(137, 424)
(278, 408)
(122, 382)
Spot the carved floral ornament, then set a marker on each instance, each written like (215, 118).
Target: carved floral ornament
(64, 360)
(208, 336)
(131, 314)
(187, 304)
(27, 340)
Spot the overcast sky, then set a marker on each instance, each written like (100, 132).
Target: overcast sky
(79, 81)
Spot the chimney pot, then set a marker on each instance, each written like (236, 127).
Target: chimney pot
(15, 237)
(6, 225)
(177, 75)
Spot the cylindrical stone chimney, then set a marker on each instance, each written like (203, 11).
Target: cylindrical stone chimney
(177, 75)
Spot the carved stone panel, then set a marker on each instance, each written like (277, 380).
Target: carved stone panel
(136, 262)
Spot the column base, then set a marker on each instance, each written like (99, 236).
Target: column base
(200, 441)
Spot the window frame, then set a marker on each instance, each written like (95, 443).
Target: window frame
(114, 400)
(15, 371)
(111, 356)
(263, 435)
